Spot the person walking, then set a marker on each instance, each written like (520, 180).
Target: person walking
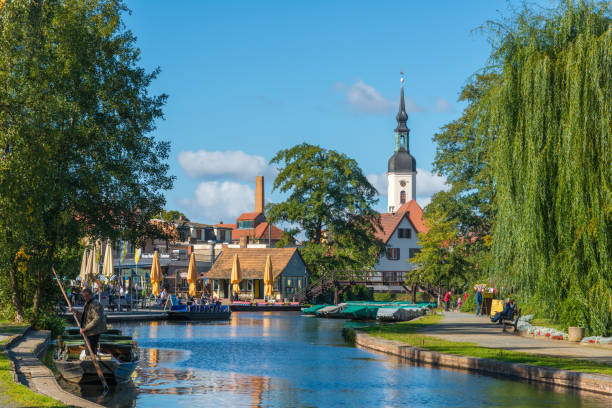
(93, 320)
(447, 299)
(478, 301)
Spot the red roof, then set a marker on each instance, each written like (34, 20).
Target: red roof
(260, 232)
(249, 216)
(231, 226)
(390, 221)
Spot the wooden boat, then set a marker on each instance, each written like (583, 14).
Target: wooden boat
(199, 312)
(117, 357)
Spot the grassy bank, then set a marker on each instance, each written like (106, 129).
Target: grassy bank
(17, 395)
(8, 328)
(407, 332)
(13, 394)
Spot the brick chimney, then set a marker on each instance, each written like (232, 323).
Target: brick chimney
(244, 241)
(259, 194)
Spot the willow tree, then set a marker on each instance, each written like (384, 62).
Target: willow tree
(551, 113)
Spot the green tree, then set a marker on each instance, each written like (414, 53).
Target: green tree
(172, 215)
(551, 160)
(463, 157)
(441, 262)
(76, 159)
(330, 200)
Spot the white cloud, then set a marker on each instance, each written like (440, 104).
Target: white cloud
(216, 201)
(364, 98)
(234, 164)
(427, 184)
(379, 181)
(442, 105)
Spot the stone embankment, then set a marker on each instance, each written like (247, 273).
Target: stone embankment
(583, 381)
(28, 370)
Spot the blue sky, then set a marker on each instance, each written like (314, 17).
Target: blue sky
(248, 78)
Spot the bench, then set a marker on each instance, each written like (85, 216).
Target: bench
(513, 322)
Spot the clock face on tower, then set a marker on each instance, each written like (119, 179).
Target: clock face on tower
(403, 183)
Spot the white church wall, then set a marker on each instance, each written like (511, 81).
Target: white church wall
(404, 245)
(395, 189)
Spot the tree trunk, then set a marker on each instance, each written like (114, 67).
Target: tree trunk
(37, 294)
(414, 290)
(15, 295)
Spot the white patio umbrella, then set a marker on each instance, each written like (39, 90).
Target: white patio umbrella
(83, 272)
(107, 268)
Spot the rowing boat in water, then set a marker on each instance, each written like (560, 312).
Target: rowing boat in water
(117, 357)
(199, 312)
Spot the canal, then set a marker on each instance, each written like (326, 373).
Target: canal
(282, 359)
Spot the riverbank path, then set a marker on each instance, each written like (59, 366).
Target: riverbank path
(466, 327)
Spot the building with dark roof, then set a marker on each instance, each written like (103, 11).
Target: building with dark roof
(404, 219)
(401, 168)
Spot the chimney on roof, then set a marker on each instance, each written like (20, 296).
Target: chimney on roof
(244, 241)
(259, 194)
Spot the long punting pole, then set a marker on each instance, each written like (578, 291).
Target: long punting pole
(91, 353)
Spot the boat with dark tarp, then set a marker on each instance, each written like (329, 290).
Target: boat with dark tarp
(178, 310)
(117, 357)
(199, 312)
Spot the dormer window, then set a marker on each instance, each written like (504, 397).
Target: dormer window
(245, 224)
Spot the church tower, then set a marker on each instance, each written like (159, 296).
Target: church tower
(401, 175)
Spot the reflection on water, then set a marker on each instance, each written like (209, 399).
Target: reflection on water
(280, 359)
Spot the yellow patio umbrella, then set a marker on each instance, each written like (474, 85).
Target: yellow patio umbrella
(192, 275)
(268, 277)
(92, 267)
(235, 277)
(108, 268)
(83, 271)
(156, 276)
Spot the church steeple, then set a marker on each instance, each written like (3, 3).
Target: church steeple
(401, 174)
(402, 116)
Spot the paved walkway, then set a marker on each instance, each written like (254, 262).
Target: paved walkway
(38, 377)
(467, 327)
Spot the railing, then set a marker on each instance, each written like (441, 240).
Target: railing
(342, 279)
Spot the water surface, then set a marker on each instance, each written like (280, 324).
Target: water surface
(283, 359)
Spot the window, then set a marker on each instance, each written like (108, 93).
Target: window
(393, 254)
(413, 252)
(402, 197)
(245, 224)
(404, 232)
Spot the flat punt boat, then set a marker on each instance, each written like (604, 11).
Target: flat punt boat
(199, 312)
(117, 358)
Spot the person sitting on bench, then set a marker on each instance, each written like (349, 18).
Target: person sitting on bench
(505, 314)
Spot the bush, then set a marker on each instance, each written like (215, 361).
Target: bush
(469, 305)
(50, 322)
(357, 292)
(385, 297)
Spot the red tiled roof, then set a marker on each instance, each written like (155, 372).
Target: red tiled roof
(231, 226)
(390, 221)
(248, 216)
(260, 232)
(416, 215)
